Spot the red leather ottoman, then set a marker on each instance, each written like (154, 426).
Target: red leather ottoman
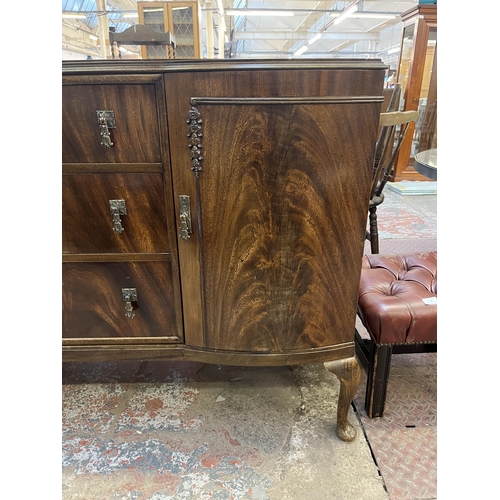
(397, 304)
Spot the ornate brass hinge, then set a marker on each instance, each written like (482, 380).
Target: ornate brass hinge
(195, 134)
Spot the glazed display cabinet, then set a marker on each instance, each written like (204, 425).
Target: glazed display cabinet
(417, 74)
(181, 19)
(216, 211)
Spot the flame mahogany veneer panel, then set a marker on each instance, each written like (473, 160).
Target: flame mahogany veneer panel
(135, 137)
(282, 246)
(279, 206)
(88, 223)
(93, 305)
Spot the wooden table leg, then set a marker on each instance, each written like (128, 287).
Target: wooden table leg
(373, 230)
(349, 374)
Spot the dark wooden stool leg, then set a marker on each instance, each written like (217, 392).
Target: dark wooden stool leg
(379, 366)
(373, 230)
(349, 374)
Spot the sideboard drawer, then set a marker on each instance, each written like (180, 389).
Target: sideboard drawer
(96, 309)
(131, 121)
(114, 213)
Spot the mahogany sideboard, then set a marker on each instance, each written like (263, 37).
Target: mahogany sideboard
(215, 211)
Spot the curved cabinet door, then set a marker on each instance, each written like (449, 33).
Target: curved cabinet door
(279, 188)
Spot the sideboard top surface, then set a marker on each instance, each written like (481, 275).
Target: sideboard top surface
(167, 65)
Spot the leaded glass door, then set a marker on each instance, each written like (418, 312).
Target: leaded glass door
(179, 18)
(184, 23)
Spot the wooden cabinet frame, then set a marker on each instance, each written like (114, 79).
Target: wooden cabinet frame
(264, 175)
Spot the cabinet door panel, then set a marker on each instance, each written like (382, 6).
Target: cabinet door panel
(88, 223)
(283, 205)
(94, 310)
(135, 137)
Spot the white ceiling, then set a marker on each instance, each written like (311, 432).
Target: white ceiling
(364, 34)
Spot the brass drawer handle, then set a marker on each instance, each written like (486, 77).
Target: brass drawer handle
(117, 208)
(129, 295)
(185, 217)
(106, 120)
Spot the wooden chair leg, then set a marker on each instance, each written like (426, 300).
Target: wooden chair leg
(373, 230)
(349, 374)
(379, 366)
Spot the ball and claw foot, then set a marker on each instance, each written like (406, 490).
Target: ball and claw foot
(349, 374)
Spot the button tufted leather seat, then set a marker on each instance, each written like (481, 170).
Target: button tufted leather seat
(391, 308)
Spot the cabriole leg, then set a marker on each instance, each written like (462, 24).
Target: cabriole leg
(349, 374)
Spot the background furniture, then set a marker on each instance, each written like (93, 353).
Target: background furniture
(417, 74)
(398, 321)
(198, 201)
(426, 163)
(179, 18)
(142, 35)
(393, 128)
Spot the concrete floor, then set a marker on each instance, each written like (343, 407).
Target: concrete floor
(172, 430)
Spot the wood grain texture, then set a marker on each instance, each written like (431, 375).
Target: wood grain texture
(111, 168)
(267, 84)
(266, 80)
(135, 137)
(94, 310)
(270, 273)
(105, 352)
(88, 223)
(282, 247)
(117, 257)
